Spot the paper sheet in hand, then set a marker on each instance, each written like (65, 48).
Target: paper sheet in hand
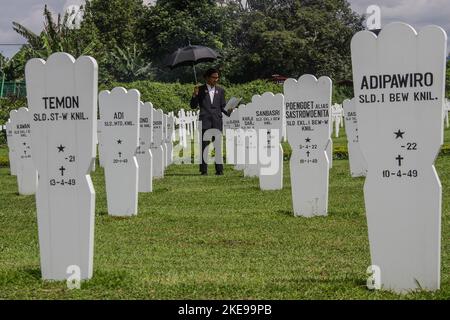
(232, 103)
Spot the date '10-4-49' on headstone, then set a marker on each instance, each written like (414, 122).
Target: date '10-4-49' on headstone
(399, 88)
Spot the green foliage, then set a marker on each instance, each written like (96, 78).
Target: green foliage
(293, 38)
(174, 96)
(129, 65)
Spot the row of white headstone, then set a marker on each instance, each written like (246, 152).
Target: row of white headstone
(397, 109)
(187, 122)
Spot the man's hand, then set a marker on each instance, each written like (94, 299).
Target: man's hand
(196, 89)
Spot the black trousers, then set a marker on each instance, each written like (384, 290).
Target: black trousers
(217, 140)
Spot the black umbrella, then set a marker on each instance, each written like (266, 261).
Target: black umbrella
(190, 56)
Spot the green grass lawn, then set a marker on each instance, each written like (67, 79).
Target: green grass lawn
(212, 237)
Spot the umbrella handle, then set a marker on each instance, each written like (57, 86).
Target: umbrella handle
(195, 73)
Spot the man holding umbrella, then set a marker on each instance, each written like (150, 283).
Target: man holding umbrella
(211, 99)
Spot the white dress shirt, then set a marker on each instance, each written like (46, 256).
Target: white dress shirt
(211, 91)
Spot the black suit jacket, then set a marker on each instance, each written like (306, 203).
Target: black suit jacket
(210, 113)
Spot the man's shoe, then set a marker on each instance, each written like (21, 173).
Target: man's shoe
(204, 173)
(220, 173)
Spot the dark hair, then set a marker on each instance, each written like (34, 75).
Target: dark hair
(210, 71)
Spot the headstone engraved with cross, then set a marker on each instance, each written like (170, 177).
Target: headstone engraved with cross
(25, 169)
(308, 102)
(169, 137)
(249, 140)
(269, 127)
(182, 128)
(399, 80)
(119, 115)
(156, 145)
(358, 165)
(62, 99)
(11, 153)
(143, 154)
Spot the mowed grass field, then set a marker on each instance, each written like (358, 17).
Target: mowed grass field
(214, 237)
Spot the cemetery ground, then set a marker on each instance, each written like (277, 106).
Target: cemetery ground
(214, 237)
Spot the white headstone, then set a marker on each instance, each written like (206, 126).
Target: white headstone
(240, 146)
(170, 135)
(229, 125)
(11, 153)
(358, 165)
(308, 103)
(25, 170)
(269, 127)
(143, 154)
(156, 146)
(119, 115)
(165, 141)
(182, 128)
(62, 98)
(399, 80)
(249, 140)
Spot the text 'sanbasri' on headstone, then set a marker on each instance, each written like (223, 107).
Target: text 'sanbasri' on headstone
(62, 99)
(308, 103)
(119, 115)
(269, 128)
(399, 88)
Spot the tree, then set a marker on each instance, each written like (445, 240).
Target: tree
(129, 65)
(172, 24)
(295, 37)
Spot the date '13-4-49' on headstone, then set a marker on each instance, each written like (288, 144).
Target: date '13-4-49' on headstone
(308, 103)
(62, 99)
(119, 115)
(399, 88)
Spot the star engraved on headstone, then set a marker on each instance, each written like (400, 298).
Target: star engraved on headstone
(119, 141)
(308, 139)
(399, 134)
(399, 159)
(61, 148)
(62, 169)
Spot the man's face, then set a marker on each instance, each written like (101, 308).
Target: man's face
(213, 79)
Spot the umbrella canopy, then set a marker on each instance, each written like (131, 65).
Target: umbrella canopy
(190, 56)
